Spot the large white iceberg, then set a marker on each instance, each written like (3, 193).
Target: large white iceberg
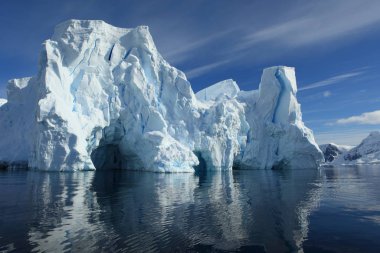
(105, 98)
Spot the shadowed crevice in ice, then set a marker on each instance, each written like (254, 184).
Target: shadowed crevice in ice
(15, 165)
(107, 157)
(110, 153)
(202, 166)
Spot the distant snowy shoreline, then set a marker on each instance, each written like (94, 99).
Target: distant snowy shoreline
(366, 153)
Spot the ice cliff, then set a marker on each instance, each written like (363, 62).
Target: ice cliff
(105, 98)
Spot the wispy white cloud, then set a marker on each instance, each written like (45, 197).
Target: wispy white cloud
(367, 118)
(318, 22)
(253, 39)
(319, 111)
(198, 71)
(331, 80)
(275, 32)
(182, 52)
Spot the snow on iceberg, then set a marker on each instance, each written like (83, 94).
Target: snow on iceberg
(227, 88)
(105, 98)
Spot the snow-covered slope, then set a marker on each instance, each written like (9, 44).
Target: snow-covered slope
(367, 152)
(104, 98)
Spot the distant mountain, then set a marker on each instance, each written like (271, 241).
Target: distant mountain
(331, 151)
(367, 152)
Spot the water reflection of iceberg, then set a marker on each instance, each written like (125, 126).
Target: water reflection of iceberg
(280, 203)
(67, 215)
(134, 211)
(241, 210)
(145, 209)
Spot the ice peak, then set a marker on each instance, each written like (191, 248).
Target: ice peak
(374, 134)
(280, 67)
(227, 88)
(89, 41)
(76, 26)
(285, 76)
(371, 139)
(75, 31)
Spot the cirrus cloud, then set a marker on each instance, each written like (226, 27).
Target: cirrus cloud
(331, 80)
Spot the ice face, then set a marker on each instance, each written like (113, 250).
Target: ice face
(104, 97)
(277, 135)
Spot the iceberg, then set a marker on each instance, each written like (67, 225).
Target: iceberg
(105, 98)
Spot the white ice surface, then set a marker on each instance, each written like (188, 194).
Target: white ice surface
(225, 89)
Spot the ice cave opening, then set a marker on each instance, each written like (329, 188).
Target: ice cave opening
(112, 151)
(110, 157)
(107, 157)
(202, 166)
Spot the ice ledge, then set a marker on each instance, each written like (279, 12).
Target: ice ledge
(227, 89)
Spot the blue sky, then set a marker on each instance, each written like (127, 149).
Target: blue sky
(334, 46)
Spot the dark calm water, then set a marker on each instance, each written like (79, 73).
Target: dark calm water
(326, 210)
